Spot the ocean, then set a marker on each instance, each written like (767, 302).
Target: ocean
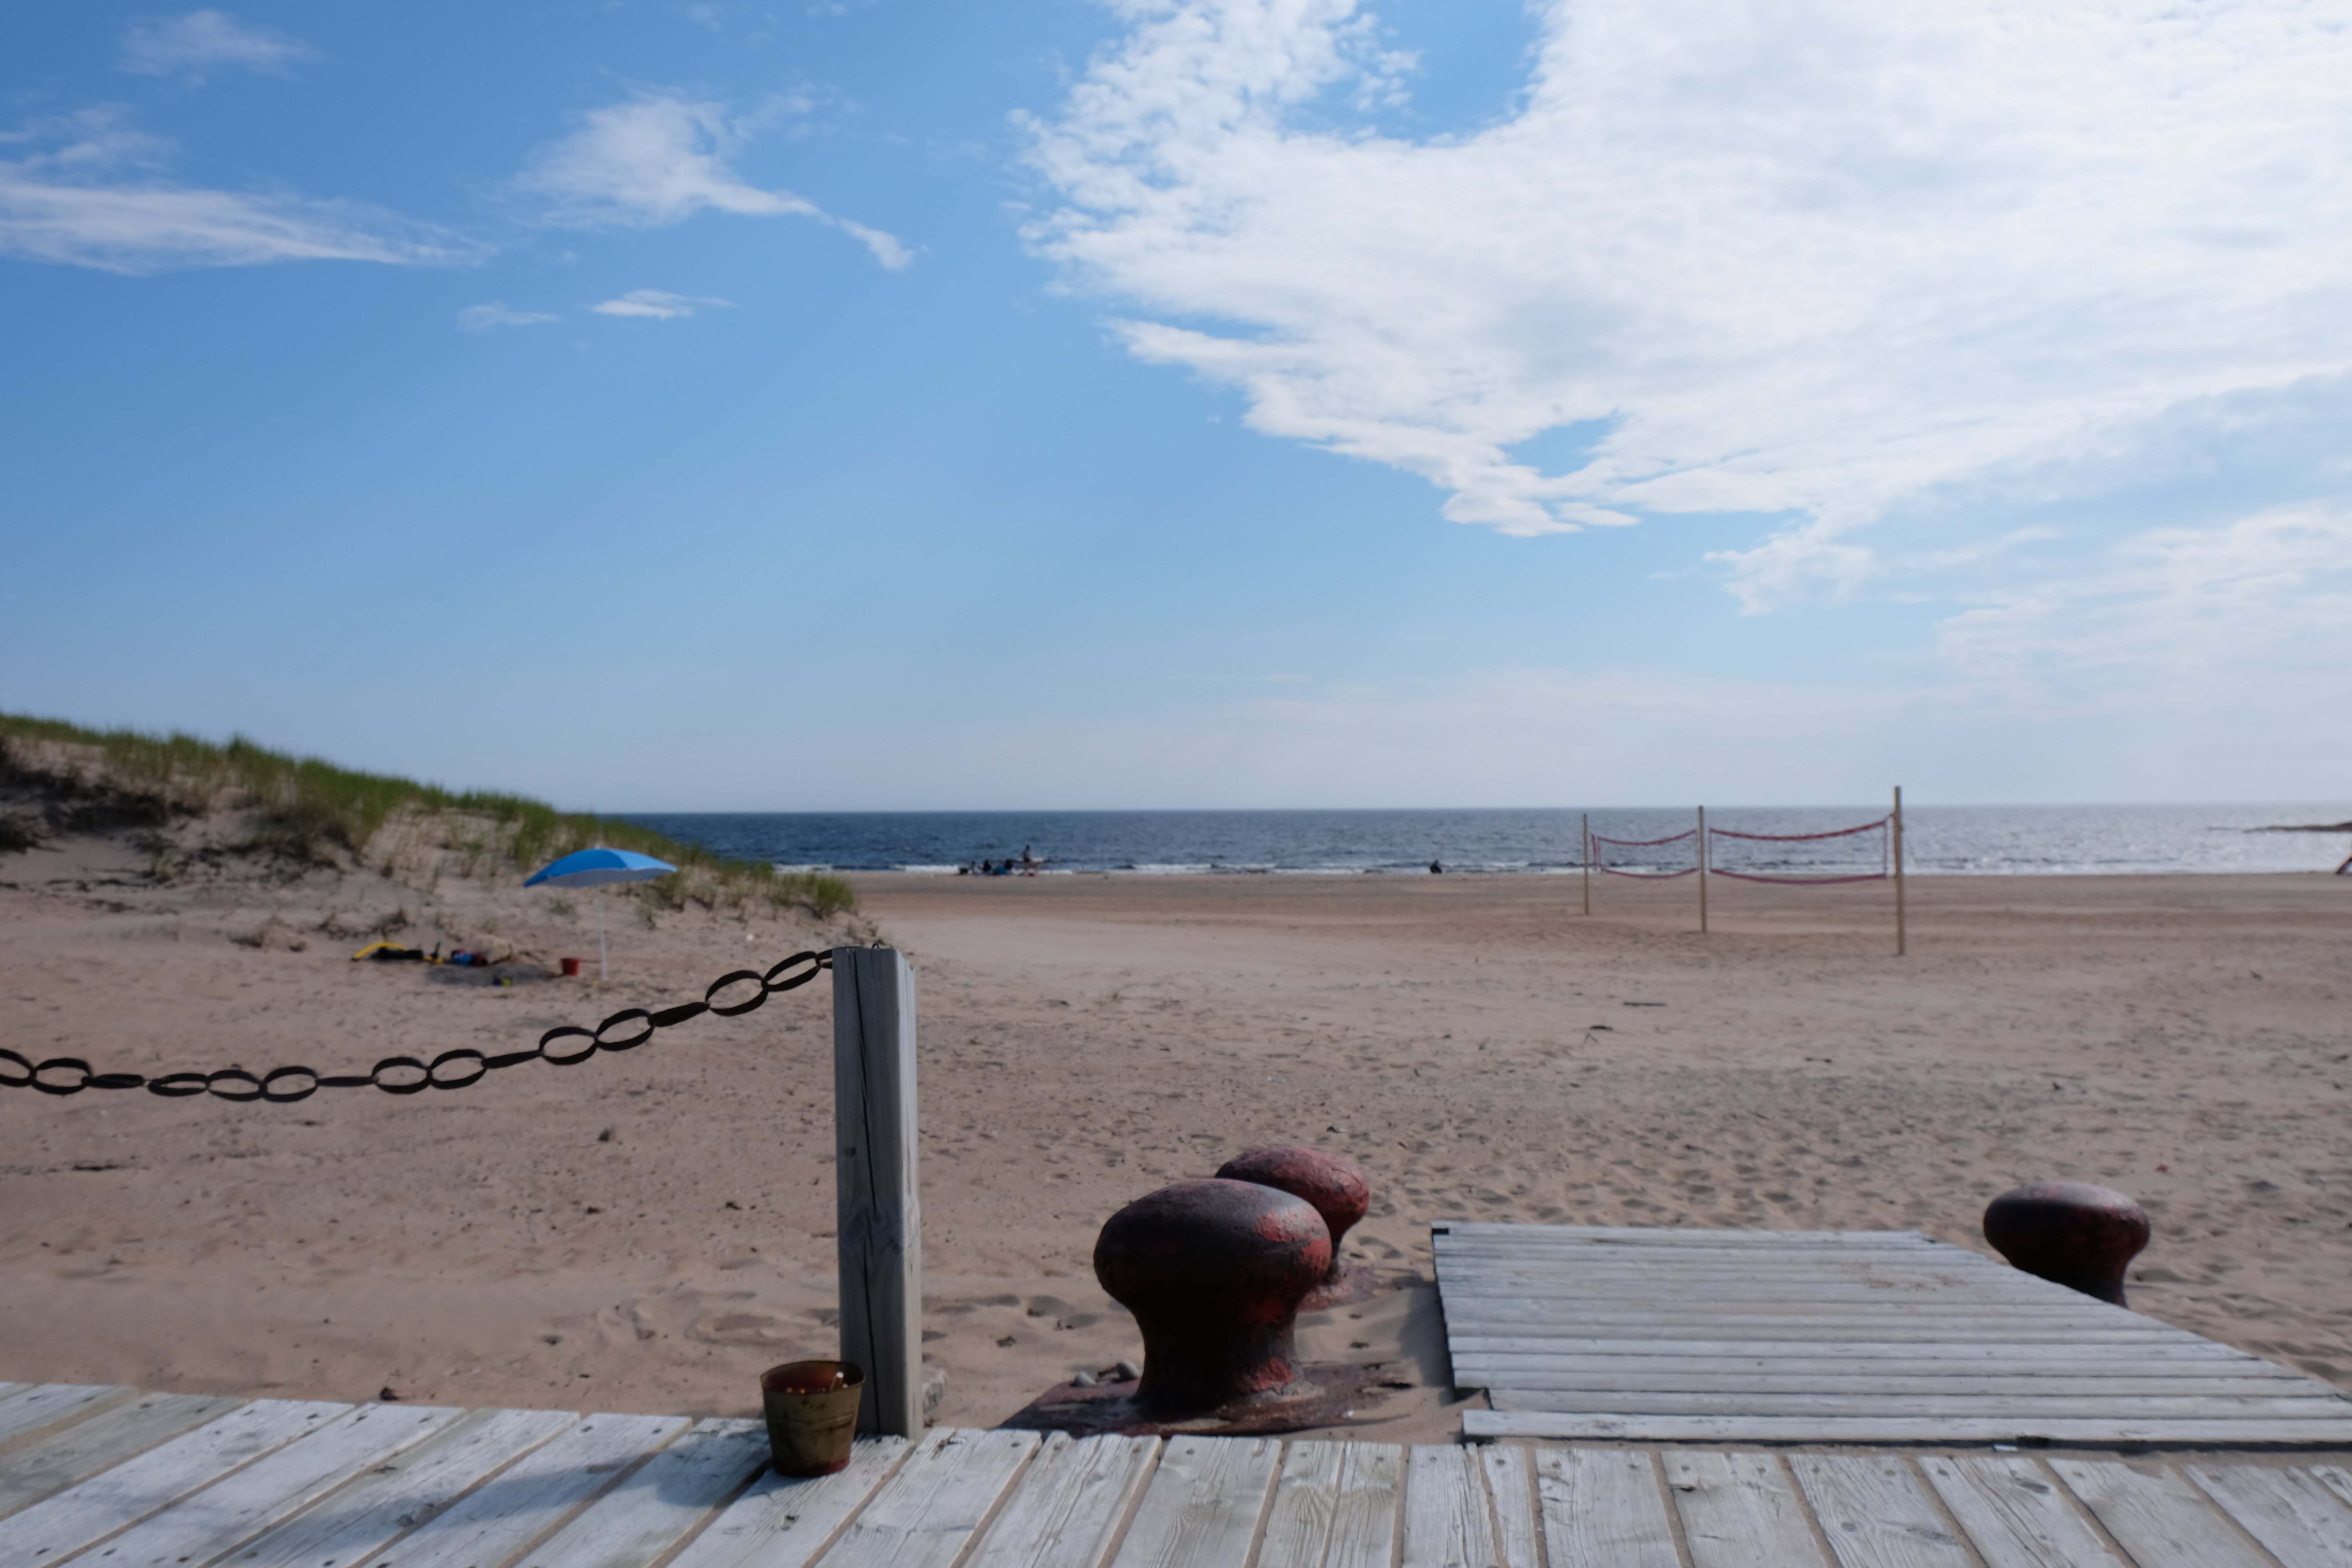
(1963, 840)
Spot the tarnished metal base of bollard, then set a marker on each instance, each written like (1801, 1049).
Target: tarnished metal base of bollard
(1324, 1395)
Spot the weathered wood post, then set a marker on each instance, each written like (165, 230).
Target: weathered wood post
(1584, 832)
(1898, 836)
(880, 1220)
(1702, 870)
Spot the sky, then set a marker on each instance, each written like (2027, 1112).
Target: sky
(666, 407)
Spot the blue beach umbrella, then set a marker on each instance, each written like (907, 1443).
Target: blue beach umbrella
(593, 868)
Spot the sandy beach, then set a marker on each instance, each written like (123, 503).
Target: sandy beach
(645, 1232)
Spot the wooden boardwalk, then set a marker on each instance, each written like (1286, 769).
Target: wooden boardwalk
(107, 1477)
(1740, 1336)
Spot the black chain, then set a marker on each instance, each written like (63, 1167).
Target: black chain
(411, 1076)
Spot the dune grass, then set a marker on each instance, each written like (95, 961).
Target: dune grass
(310, 809)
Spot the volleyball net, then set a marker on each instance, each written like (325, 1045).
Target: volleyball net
(1822, 860)
(1596, 857)
(1794, 872)
(1727, 852)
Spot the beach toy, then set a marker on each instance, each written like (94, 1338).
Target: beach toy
(2071, 1233)
(1213, 1272)
(812, 1410)
(571, 967)
(1335, 1185)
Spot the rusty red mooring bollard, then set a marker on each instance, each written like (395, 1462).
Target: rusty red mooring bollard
(1335, 1185)
(1213, 1272)
(2072, 1233)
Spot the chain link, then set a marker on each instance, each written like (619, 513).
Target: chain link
(460, 1069)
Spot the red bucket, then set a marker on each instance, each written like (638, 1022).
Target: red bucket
(571, 967)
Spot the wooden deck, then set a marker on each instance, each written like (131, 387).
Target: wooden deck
(1754, 1336)
(108, 1476)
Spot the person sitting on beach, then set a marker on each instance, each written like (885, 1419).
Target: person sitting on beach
(1436, 869)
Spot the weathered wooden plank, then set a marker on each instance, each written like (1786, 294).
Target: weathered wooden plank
(924, 1515)
(878, 1209)
(1299, 1522)
(1874, 1513)
(1603, 1508)
(1447, 1521)
(1368, 1517)
(1477, 1315)
(52, 1461)
(123, 1495)
(1616, 1427)
(2157, 1516)
(782, 1522)
(535, 1494)
(388, 1500)
(10, 1391)
(1950, 1271)
(1201, 1508)
(1070, 1504)
(1739, 1511)
(1510, 1483)
(39, 1408)
(2024, 1407)
(2014, 1515)
(1662, 1235)
(1529, 1316)
(2298, 1521)
(1929, 1390)
(1926, 1359)
(2336, 1478)
(213, 1521)
(1305, 1494)
(2197, 1357)
(663, 1501)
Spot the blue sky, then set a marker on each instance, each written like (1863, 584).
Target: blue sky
(1244, 403)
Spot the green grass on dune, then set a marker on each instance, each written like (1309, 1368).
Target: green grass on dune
(311, 808)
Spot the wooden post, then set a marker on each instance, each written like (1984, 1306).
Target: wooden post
(879, 1220)
(1702, 870)
(1584, 833)
(1899, 933)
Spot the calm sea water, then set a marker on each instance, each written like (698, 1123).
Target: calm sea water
(1973, 840)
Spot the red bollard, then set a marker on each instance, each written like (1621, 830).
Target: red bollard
(2072, 1233)
(1213, 1272)
(1334, 1183)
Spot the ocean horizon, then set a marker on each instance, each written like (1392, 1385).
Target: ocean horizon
(1948, 840)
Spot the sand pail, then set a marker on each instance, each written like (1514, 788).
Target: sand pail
(571, 967)
(812, 1409)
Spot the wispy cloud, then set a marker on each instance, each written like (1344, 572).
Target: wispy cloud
(499, 313)
(660, 159)
(654, 304)
(1812, 261)
(87, 191)
(192, 44)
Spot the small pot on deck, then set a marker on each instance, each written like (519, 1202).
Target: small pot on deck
(812, 1410)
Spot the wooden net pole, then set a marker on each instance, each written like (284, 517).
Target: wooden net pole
(1702, 870)
(1584, 835)
(1899, 933)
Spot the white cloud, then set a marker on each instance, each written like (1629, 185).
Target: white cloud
(86, 194)
(655, 305)
(2215, 610)
(1814, 259)
(499, 313)
(199, 41)
(659, 159)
